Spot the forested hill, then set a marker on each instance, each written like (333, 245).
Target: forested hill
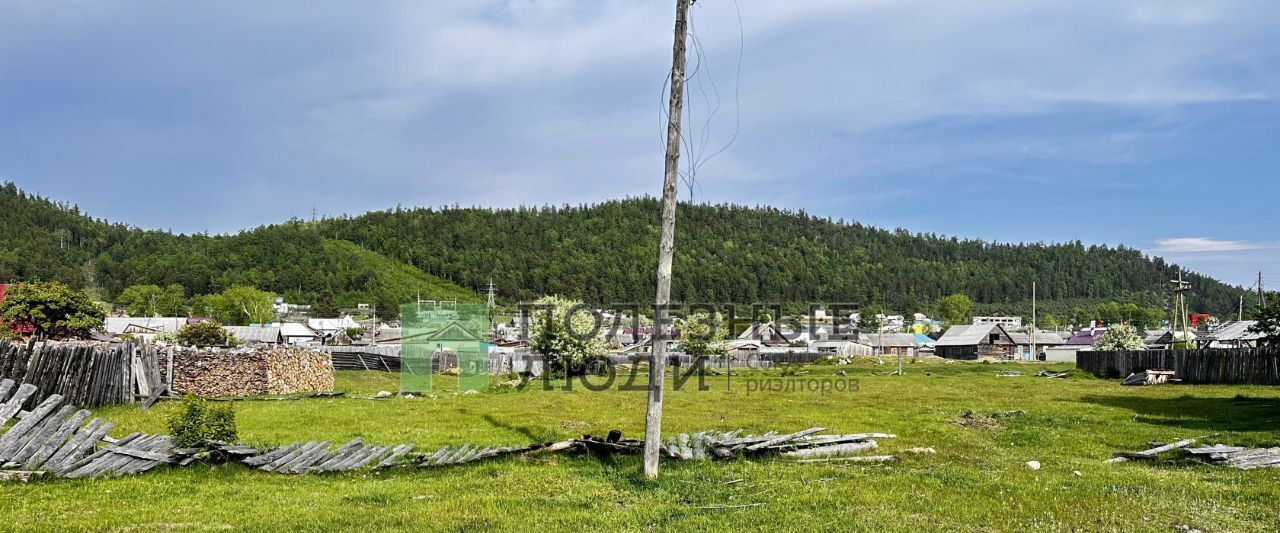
(43, 240)
(599, 253)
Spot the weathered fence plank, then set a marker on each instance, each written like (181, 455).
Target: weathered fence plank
(1242, 366)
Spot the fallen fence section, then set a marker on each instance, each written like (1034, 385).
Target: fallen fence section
(51, 437)
(1220, 454)
(54, 439)
(1252, 366)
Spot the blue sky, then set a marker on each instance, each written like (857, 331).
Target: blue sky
(1148, 123)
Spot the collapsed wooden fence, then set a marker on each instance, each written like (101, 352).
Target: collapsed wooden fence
(1251, 366)
(53, 438)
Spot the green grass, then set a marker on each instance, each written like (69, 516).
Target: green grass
(976, 481)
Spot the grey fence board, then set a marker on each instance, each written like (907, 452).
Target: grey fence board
(1252, 366)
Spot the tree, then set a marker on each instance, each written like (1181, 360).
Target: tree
(206, 305)
(1268, 324)
(955, 309)
(869, 317)
(702, 335)
(1121, 337)
(1080, 317)
(204, 334)
(49, 309)
(562, 330)
(1050, 321)
(153, 300)
(237, 306)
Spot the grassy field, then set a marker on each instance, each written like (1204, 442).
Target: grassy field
(975, 481)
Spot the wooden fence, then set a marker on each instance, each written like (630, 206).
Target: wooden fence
(87, 375)
(1255, 366)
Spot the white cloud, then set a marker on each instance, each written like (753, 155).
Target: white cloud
(1205, 244)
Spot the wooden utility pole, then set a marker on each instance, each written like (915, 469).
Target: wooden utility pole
(666, 247)
(1262, 295)
(1033, 321)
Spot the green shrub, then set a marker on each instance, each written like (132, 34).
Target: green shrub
(196, 422)
(204, 334)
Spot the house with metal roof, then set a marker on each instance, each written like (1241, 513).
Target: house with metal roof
(890, 343)
(767, 333)
(1234, 335)
(1044, 340)
(974, 341)
(256, 334)
(1079, 341)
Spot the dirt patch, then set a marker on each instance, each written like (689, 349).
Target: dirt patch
(972, 420)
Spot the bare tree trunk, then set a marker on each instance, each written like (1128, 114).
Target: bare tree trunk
(666, 248)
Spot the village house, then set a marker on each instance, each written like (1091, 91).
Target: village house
(1163, 339)
(1043, 341)
(271, 335)
(890, 343)
(1234, 334)
(1080, 341)
(975, 341)
(1009, 322)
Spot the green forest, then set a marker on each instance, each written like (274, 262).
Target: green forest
(602, 253)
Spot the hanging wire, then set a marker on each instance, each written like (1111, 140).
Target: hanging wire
(695, 144)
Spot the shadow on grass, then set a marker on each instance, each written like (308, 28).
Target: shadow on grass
(531, 432)
(1239, 413)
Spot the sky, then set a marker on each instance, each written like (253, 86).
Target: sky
(1152, 124)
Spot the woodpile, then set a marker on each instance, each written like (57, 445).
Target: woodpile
(291, 370)
(250, 370)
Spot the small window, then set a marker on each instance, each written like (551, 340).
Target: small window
(994, 337)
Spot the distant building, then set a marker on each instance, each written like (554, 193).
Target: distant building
(256, 334)
(1081, 341)
(1234, 334)
(1008, 322)
(1044, 340)
(890, 343)
(326, 326)
(974, 341)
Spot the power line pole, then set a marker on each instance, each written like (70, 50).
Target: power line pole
(1180, 309)
(1262, 295)
(1033, 321)
(666, 246)
(490, 306)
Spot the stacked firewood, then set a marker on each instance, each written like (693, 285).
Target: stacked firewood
(214, 372)
(251, 370)
(291, 370)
